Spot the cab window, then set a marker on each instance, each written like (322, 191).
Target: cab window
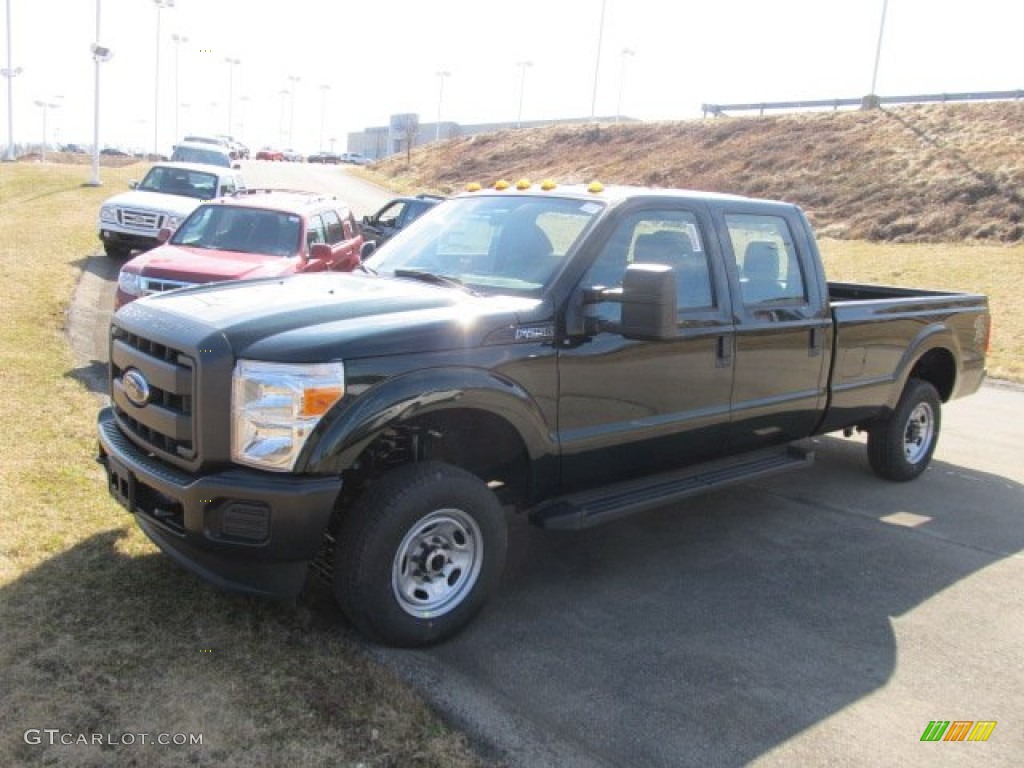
(766, 260)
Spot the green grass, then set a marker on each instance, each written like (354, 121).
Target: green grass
(101, 634)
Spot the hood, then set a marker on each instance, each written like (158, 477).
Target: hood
(331, 316)
(154, 201)
(201, 265)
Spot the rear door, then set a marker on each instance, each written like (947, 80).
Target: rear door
(627, 407)
(783, 336)
(343, 238)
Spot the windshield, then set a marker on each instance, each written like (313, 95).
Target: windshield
(246, 230)
(178, 181)
(492, 243)
(197, 155)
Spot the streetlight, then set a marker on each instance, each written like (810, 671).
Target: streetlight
(440, 95)
(232, 63)
(46, 106)
(100, 54)
(178, 40)
(241, 121)
(878, 50)
(622, 81)
(323, 111)
(160, 5)
(10, 72)
(597, 63)
(294, 80)
(522, 87)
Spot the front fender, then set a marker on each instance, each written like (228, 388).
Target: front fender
(356, 421)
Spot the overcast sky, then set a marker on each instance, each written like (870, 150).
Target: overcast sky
(382, 58)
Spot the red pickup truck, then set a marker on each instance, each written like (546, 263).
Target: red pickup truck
(255, 233)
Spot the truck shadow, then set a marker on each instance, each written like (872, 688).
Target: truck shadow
(711, 632)
(703, 634)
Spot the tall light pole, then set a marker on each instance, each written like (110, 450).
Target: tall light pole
(99, 55)
(160, 5)
(294, 80)
(46, 107)
(232, 63)
(241, 120)
(622, 81)
(442, 75)
(597, 63)
(323, 112)
(522, 88)
(10, 72)
(878, 50)
(179, 40)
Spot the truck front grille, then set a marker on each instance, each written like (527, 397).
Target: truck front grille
(162, 420)
(144, 221)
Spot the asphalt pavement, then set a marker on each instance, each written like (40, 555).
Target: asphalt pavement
(823, 617)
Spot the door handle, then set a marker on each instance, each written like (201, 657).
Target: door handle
(723, 352)
(814, 347)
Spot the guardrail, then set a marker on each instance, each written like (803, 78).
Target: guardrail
(864, 102)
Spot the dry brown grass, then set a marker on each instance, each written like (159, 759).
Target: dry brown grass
(100, 634)
(937, 173)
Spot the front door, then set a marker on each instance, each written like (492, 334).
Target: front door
(628, 408)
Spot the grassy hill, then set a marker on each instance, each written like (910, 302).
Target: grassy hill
(935, 173)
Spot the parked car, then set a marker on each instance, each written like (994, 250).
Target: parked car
(113, 152)
(208, 154)
(331, 158)
(572, 354)
(255, 233)
(291, 156)
(166, 195)
(396, 215)
(269, 153)
(355, 158)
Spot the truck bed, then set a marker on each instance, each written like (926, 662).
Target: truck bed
(881, 329)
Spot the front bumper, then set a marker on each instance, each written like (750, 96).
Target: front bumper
(128, 239)
(240, 529)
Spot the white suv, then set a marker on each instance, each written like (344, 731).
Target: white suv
(168, 193)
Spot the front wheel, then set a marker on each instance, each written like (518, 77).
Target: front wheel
(418, 554)
(901, 447)
(117, 251)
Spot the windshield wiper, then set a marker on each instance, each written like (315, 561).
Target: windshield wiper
(434, 279)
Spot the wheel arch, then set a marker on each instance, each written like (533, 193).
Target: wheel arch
(470, 418)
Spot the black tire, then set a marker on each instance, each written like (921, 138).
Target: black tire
(418, 554)
(901, 447)
(117, 251)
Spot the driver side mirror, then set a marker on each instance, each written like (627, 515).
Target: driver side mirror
(164, 235)
(648, 299)
(133, 184)
(366, 249)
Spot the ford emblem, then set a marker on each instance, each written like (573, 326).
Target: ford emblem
(136, 388)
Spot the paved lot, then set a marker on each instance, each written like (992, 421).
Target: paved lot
(822, 617)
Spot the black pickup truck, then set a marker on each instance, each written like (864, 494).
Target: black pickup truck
(575, 354)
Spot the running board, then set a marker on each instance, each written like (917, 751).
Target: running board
(590, 508)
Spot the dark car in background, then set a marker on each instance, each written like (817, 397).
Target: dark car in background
(396, 215)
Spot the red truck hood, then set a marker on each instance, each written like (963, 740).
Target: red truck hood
(201, 265)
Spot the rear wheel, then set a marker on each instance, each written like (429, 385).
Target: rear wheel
(901, 447)
(418, 554)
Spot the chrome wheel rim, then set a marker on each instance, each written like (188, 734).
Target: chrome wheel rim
(920, 431)
(437, 564)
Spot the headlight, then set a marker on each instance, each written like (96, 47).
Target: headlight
(108, 214)
(275, 406)
(172, 222)
(130, 282)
